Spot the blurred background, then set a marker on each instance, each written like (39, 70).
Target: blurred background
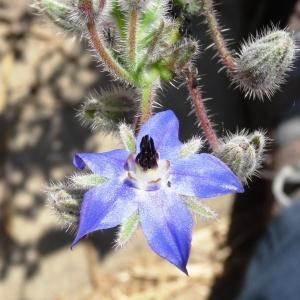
(44, 76)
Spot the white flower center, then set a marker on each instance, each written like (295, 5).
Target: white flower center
(147, 179)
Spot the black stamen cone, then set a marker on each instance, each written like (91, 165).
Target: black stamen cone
(147, 158)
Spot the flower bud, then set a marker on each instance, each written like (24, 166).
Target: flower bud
(172, 61)
(65, 202)
(71, 14)
(259, 141)
(106, 110)
(59, 11)
(263, 62)
(243, 153)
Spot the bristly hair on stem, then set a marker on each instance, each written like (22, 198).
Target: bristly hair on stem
(108, 60)
(146, 106)
(217, 37)
(199, 107)
(132, 32)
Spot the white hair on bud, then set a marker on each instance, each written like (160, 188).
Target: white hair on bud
(263, 61)
(105, 110)
(243, 153)
(65, 201)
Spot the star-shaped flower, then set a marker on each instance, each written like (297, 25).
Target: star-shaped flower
(151, 184)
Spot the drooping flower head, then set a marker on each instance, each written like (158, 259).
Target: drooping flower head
(149, 182)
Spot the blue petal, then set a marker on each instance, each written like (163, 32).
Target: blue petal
(107, 164)
(105, 206)
(163, 128)
(203, 175)
(167, 225)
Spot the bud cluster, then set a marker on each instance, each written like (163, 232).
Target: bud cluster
(135, 40)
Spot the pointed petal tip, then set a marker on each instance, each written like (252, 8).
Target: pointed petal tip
(241, 188)
(184, 270)
(239, 185)
(75, 242)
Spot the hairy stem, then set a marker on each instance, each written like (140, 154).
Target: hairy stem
(216, 35)
(132, 44)
(104, 53)
(196, 96)
(148, 94)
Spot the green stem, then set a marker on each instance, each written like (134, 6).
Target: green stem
(104, 53)
(148, 94)
(215, 32)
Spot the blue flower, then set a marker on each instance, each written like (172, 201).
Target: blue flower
(151, 183)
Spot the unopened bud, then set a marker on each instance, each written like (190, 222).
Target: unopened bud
(258, 140)
(174, 60)
(59, 11)
(263, 62)
(65, 202)
(243, 153)
(106, 110)
(72, 14)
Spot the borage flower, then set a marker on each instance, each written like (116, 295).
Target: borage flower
(151, 184)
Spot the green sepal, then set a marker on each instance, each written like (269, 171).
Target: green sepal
(127, 137)
(196, 206)
(127, 229)
(87, 180)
